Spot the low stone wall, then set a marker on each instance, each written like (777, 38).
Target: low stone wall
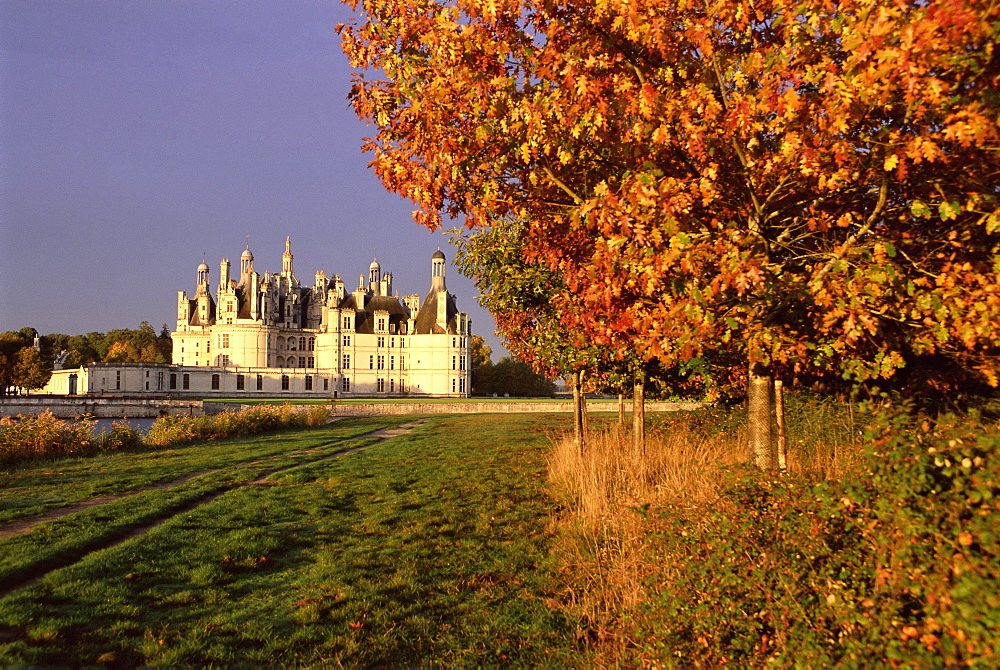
(69, 407)
(365, 409)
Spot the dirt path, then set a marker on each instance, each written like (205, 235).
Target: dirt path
(27, 526)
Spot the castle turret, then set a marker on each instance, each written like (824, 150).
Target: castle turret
(437, 271)
(203, 278)
(375, 277)
(246, 262)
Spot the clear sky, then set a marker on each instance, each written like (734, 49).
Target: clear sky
(138, 137)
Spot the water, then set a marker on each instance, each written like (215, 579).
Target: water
(141, 424)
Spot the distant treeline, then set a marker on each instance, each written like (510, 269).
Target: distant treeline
(23, 366)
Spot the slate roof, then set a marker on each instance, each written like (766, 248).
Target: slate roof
(364, 320)
(427, 315)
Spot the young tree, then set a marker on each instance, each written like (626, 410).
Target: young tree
(763, 188)
(31, 371)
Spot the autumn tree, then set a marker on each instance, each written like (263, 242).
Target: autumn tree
(753, 189)
(31, 370)
(21, 365)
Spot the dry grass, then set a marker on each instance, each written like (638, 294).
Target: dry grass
(612, 500)
(606, 493)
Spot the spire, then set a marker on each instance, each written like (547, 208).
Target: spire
(286, 259)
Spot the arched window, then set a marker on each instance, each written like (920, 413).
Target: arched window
(302, 343)
(281, 343)
(280, 362)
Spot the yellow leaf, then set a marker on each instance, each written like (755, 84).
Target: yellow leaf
(890, 162)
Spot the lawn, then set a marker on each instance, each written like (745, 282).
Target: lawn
(429, 548)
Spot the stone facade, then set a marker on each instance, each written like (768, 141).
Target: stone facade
(271, 335)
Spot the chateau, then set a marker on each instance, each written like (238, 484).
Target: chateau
(270, 335)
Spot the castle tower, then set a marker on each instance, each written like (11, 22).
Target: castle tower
(202, 278)
(437, 271)
(374, 276)
(246, 262)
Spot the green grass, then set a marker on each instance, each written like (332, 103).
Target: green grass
(30, 489)
(430, 549)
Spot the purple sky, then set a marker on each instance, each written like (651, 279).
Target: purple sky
(137, 137)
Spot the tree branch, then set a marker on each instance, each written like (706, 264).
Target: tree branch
(863, 230)
(561, 184)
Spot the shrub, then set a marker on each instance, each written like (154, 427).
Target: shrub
(170, 430)
(898, 565)
(42, 436)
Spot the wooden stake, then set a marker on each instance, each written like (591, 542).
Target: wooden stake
(779, 412)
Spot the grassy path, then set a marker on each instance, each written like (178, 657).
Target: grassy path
(429, 548)
(60, 545)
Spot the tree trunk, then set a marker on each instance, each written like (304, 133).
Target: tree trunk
(759, 427)
(578, 411)
(639, 417)
(779, 416)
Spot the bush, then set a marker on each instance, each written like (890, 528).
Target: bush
(170, 430)
(43, 436)
(898, 565)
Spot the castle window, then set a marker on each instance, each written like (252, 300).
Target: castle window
(159, 381)
(302, 343)
(347, 326)
(371, 362)
(392, 362)
(260, 382)
(346, 384)
(392, 386)
(326, 384)
(291, 344)
(215, 382)
(347, 340)
(224, 341)
(392, 341)
(118, 379)
(452, 385)
(453, 342)
(381, 324)
(381, 362)
(284, 382)
(173, 381)
(380, 387)
(461, 386)
(309, 383)
(347, 361)
(381, 341)
(208, 346)
(402, 342)
(240, 382)
(224, 360)
(281, 343)
(302, 361)
(311, 362)
(186, 382)
(453, 360)
(312, 344)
